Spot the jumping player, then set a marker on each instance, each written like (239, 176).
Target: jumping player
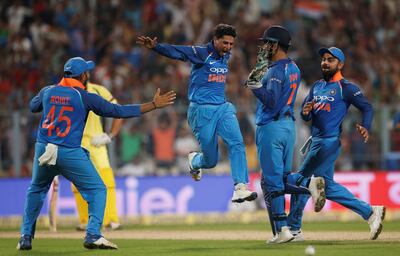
(209, 114)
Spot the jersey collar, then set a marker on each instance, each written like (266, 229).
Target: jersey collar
(71, 82)
(211, 48)
(337, 77)
(283, 61)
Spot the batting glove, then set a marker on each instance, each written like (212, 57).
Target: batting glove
(100, 140)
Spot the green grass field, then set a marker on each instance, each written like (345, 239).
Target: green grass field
(48, 246)
(204, 247)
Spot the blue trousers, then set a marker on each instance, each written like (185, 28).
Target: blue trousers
(275, 145)
(320, 162)
(207, 123)
(75, 165)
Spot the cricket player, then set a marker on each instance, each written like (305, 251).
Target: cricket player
(95, 140)
(326, 106)
(275, 85)
(209, 114)
(58, 148)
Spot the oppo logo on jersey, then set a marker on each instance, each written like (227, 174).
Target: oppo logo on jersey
(323, 98)
(219, 70)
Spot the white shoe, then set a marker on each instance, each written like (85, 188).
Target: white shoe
(100, 243)
(375, 221)
(242, 194)
(317, 191)
(282, 237)
(196, 173)
(113, 226)
(80, 227)
(298, 236)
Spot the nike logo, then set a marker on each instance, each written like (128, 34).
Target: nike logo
(212, 62)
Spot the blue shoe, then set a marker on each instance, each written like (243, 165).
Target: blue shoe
(25, 243)
(98, 242)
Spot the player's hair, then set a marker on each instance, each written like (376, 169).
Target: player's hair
(224, 30)
(68, 73)
(284, 48)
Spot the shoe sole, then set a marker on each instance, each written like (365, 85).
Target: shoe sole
(195, 174)
(319, 205)
(297, 240)
(23, 248)
(290, 240)
(101, 246)
(380, 225)
(251, 197)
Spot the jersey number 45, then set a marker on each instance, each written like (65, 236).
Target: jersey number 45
(51, 124)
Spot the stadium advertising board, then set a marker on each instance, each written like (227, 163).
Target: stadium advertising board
(180, 195)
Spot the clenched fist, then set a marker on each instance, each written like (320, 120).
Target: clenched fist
(307, 108)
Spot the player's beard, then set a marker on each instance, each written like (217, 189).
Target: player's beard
(329, 73)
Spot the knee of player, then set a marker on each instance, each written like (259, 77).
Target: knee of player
(102, 191)
(101, 188)
(271, 195)
(236, 146)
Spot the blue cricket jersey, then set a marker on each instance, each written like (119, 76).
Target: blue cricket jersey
(65, 109)
(277, 95)
(331, 102)
(208, 72)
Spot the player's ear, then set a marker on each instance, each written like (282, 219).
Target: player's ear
(340, 65)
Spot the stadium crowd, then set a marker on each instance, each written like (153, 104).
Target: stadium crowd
(37, 37)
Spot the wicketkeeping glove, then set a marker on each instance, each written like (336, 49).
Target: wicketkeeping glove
(49, 157)
(100, 140)
(261, 66)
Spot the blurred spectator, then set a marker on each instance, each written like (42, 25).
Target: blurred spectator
(131, 141)
(37, 37)
(163, 140)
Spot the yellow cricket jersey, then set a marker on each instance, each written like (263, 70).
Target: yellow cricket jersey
(94, 127)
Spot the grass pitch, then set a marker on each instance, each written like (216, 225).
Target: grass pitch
(203, 247)
(190, 247)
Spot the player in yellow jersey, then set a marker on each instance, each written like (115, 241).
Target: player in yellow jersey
(95, 141)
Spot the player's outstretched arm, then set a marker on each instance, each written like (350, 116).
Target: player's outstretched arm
(193, 54)
(159, 101)
(147, 41)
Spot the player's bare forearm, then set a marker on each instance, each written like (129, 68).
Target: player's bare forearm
(116, 127)
(364, 132)
(159, 101)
